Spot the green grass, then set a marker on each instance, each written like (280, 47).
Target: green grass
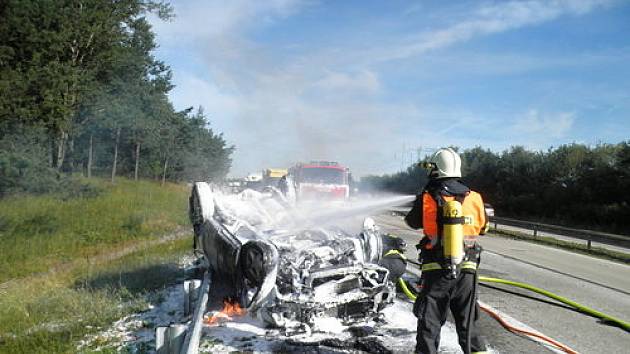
(50, 314)
(61, 273)
(572, 246)
(39, 233)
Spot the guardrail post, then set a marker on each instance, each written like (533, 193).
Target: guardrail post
(535, 230)
(588, 244)
(169, 340)
(495, 225)
(191, 292)
(191, 342)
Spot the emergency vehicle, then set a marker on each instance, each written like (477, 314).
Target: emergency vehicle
(321, 180)
(271, 176)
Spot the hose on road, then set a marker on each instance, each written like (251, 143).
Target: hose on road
(513, 329)
(584, 309)
(409, 293)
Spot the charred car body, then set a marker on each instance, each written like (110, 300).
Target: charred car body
(289, 275)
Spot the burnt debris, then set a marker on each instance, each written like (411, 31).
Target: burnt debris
(286, 275)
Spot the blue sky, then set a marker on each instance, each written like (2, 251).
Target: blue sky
(360, 82)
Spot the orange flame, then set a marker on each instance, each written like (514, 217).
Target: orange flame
(230, 310)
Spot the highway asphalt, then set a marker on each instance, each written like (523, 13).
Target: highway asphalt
(599, 284)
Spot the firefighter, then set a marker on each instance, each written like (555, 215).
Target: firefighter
(452, 217)
(283, 185)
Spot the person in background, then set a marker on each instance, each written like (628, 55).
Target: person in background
(283, 185)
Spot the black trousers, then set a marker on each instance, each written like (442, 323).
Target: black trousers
(439, 293)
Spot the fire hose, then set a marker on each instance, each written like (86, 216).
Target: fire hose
(581, 308)
(584, 309)
(499, 319)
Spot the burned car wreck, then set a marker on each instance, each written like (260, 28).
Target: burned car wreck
(281, 267)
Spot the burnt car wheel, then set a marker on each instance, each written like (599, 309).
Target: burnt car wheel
(258, 262)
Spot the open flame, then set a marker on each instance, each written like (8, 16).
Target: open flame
(230, 310)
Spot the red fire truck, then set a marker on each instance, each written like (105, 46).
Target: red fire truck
(321, 180)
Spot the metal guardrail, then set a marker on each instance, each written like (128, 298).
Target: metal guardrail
(587, 235)
(193, 335)
(180, 338)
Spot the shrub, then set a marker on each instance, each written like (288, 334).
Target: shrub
(72, 188)
(24, 165)
(133, 223)
(40, 223)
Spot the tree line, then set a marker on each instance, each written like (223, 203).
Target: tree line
(574, 184)
(81, 92)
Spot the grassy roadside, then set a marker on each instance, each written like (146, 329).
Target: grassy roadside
(39, 233)
(51, 313)
(63, 272)
(567, 245)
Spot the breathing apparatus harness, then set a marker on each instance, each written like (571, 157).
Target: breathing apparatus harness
(447, 250)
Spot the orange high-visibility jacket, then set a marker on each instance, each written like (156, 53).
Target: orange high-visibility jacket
(472, 208)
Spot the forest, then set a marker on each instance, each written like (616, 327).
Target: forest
(82, 94)
(574, 184)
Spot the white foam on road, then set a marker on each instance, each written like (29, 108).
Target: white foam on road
(397, 332)
(136, 333)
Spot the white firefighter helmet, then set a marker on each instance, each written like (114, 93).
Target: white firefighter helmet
(447, 164)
